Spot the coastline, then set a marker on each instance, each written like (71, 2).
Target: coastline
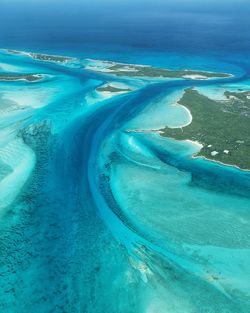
(134, 71)
(208, 128)
(221, 163)
(189, 114)
(200, 146)
(191, 142)
(104, 210)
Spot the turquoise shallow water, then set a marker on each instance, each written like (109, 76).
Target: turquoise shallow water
(96, 219)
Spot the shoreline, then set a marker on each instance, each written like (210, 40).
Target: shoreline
(136, 71)
(182, 136)
(189, 114)
(43, 57)
(143, 131)
(199, 145)
(37, 78)
(221, 163)
(191, 142)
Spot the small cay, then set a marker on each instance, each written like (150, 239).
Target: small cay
(17, 77)
(113, 89)
(41, 57)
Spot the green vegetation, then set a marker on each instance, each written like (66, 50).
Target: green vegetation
(157, 73)
(222, 127)
(10, 51)
(239, 102)
(131, 70)
(50, 58)
(16, 77)
(41, 57)
(110, 88)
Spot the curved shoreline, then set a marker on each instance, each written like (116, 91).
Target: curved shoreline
(74, 223)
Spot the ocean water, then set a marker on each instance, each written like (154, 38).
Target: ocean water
(97, 219)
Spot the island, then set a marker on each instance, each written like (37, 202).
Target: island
(146, 71)
(17, 77)
(41, 57)
(112, 89)
(222, 127)
(124, 70)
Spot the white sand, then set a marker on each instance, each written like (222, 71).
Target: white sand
(214, 93)
(195, 143)
(194, 76)
(189, 115)
(96, 96)
(29, 98)
(34, 96)
(10, 68)
(21, 159)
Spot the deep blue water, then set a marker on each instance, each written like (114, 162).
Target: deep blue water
(95, 219)
(195, 27)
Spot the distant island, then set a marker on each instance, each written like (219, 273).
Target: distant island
(112, 89)
(123, 69)
(145, 71)
(222, 127)
(41, 57)
(17, 77)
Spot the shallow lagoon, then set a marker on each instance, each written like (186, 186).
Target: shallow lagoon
(96, 204)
